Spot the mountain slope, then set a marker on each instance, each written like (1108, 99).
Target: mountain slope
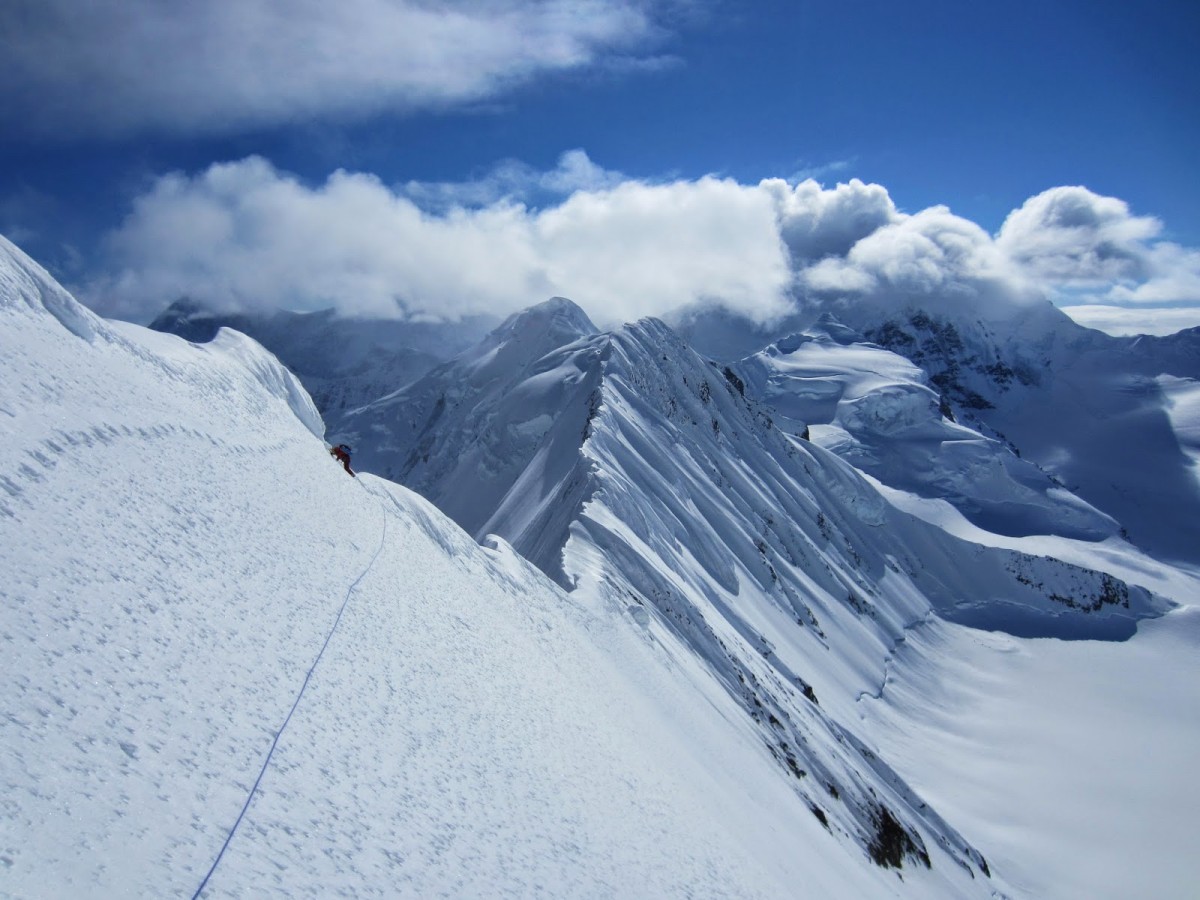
(343, 363)
(204, 617)
(762, 565)
(517, 405)
(1112, 418)
(876, 409)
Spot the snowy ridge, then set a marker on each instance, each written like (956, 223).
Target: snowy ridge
(764, 566)
(519, 405)
(342, 362)
(177, 547)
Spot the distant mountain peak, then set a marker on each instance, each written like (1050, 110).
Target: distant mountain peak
(558, 316)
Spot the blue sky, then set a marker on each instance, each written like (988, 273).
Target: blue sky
(599, 119)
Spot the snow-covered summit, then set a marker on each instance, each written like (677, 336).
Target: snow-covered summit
(523, 387)
(556, 321)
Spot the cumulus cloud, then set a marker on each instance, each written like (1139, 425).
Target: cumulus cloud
(1072, 236)
(126, 66)
(818, 223)
(1172, 275)
(934, 259)
(246, 235)
(1082, 247)
(1067, 244)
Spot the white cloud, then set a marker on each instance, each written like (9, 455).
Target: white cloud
(934, 257)
(1085, 248)
(1067, 244)
(246, 235)
(1172, 276)
(818, 223)
(1072, 236)
(652, 249)
(210, 66)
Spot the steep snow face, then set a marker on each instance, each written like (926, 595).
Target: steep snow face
(875, 409)
(343, 363)
(1088, 408)
(228, 664)
(763, 566)
(493, 436)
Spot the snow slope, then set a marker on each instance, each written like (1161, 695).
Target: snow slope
(763, 566)
(1101, 414)
(224, 659)
(1071, 763)
(876, 410)
(342, 362)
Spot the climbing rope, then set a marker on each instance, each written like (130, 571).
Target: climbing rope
(295, 703)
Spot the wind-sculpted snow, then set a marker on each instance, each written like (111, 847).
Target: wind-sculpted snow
(762, 565)
(26, 287)
(1090, 409)
(201, 614)
(876, 410)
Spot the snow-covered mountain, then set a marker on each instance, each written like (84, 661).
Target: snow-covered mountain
(508, 439)
(1113, 419)
(342, 362)
(466, 435)
(877, 410)
(633, 471)
(231, 669)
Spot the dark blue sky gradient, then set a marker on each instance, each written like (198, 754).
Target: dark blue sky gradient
(975, 106)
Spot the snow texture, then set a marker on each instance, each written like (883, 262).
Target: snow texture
(225, 663)
(187, 570)
(1106, 417)
(778, 578)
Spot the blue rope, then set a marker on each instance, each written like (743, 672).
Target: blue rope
(288, 718)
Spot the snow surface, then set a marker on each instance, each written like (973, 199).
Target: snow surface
(203, 614)
(876, 409)
(763, 566)
(185, 565)
(1096, 412)
(1071, 763)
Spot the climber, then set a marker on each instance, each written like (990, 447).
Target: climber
(342, 454)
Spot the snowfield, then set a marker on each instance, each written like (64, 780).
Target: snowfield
(228, 669)
(186, 570)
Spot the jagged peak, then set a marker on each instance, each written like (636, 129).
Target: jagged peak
(658, 331)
